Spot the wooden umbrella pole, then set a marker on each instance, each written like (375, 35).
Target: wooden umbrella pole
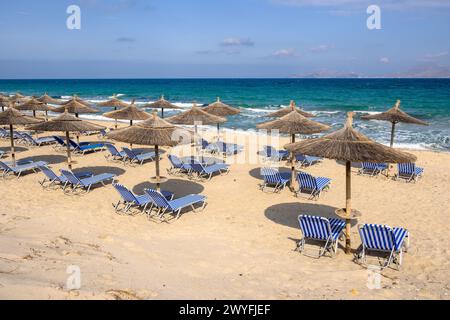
(13, 155)
(162, 113)
(69, 158)
(46, 115)
(115, 120)
(392, 134)
(218, 131)
(131, 124)
(158, 184)
(292, 166)
(348, 206)
(78, 137)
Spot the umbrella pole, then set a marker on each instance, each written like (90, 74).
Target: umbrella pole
(46, 115)
(218, 131)
(131, 124)
(348, 206)
(13, 155)
(69, 158)
(392, 134)
(158, 184)
(78, 137)
(162, 113)
(292, 166)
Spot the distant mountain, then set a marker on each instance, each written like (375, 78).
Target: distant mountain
(423, 71)
(328, 74)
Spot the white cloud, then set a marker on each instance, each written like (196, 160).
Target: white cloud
(384, 60)
(237, 42)
(321, 48)
(437, 55)
(284, 53)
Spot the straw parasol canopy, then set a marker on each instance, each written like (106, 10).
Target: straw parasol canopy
(195, 116)
(76, 106)
(221, 109)
(13, 117)
(285, 111)
(47, 99)
(34, 105)
(161, 104)
(130, 112)
(115, 103)
(153, 131)
(17, 98)
(394, 116)
(349, 145)
(66, 123)
(294, 123)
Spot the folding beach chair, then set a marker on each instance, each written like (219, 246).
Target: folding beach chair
(38, 141)
(269, 153)
(84, 147)
(207, 171)
(86, 183)
(383, 239)
(52, 179)
(272, 178)
(164, 206)
(312, 185)
(372, 169)
(320, 229)
(114, 154)
(409, 172)
(306, 161)
(129, 199)
(8, 169)
(177, 166)
(139, 158)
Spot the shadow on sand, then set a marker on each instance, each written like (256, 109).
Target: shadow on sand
(287, 214)
(179, 187)
(50, 159)
(101, 169)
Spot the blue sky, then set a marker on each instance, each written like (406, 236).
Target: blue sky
(222, 38)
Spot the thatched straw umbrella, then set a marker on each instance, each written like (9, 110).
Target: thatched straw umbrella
(47, 99)
(130, 112)
(153, 131)
(221, 109)
(394, 116)
(294, 123)
(66, 123)
(195, 116)
(285, 111)
(17, 98)
(161, 104)
(13, 117)
(115, 103)
(76, 106)
(349, 145)
(34, 105)
(76, 98)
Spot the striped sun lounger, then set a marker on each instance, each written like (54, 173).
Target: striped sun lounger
(312, 185)
(272, 178)
(177, 166)
(8, 169)
(207, 171)
(409, 172)
(52, 179)
(139, 158)
(384, 239)
(129, 199)
(164, 206)
(306, 161)
(85, 184)
(372, 169)
(320, 229)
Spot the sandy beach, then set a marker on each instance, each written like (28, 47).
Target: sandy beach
(241, 246)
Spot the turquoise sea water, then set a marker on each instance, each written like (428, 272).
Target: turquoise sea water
(329, 99)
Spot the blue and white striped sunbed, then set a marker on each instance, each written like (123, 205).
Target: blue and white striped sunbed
(409, 172)
(8, 169)
(129, 199)
(52, 179)
(272, 178)
(163, 206)
(382, 238)
(84, 147)
(86, 183)
(114, 154)
(29, 140)
(177, 166)
(372, 169)
(269, 153)
(306, 161)
(207, 171)
(138, 158)
(320, 229)
(312, 185)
